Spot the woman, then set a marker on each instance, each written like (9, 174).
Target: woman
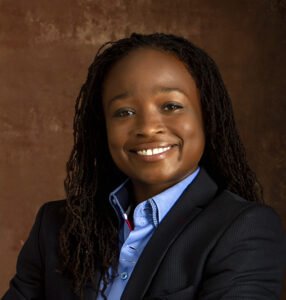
(161, 203)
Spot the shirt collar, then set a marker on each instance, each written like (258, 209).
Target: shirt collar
(120, 199)
(161, 204)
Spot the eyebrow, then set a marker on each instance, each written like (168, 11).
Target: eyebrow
(164, 89)
(156, 90)
(119, 97)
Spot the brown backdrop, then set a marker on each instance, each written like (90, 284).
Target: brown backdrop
(46, 48)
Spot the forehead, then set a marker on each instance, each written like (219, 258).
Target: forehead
(146, 68)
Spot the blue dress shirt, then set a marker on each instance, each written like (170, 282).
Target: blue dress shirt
(147, 216)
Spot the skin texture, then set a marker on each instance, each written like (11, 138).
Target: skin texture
(150, 100)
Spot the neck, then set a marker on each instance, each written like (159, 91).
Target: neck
(144, 191)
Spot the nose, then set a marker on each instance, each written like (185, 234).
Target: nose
(148, 124)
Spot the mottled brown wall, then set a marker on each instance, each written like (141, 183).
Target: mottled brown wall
(45, 49)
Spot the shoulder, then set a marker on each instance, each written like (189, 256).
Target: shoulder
(231, 218)
(246, 247)
(242, 208)
(53, 207)
(51, 216)
(248, 221)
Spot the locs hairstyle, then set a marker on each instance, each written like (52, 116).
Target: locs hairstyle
(89, 234)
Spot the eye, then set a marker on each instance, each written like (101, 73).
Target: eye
(171, 106)
(123, 112)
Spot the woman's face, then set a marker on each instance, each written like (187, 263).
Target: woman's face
(153, 118)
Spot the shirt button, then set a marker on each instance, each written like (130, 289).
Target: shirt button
(124, 275)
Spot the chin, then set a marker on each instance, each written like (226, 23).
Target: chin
(152, 179)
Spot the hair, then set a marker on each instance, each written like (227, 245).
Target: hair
(89, 235)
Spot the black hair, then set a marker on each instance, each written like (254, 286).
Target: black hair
(89, 235)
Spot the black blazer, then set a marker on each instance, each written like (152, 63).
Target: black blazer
(208, 247)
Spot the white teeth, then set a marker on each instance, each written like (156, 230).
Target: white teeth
(149, 152)
(153, 151)
(156, 151)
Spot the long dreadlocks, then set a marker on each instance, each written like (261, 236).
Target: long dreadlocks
(89, 235)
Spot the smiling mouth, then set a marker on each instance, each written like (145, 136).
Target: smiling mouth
(153, 151)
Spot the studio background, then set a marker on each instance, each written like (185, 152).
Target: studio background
(45, 50)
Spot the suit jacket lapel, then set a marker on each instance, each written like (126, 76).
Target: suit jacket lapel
(198, 194)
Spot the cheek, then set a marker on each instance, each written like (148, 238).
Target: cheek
(116, 140)
(114, 150)
(191, 126)
(193, 134)
(111, 138)
(112, 133)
